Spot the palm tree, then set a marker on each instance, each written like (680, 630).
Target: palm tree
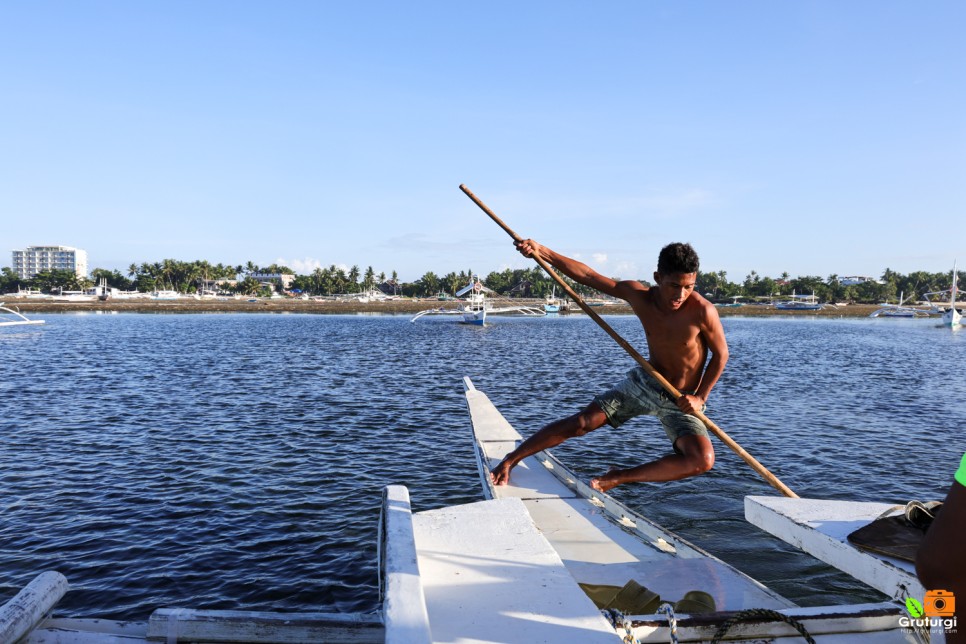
(317, 280)
(454, 282)
(428, 284)
(354, 279)
(339, 279)
(783, 289)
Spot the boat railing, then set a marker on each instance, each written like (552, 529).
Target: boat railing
(259, 627)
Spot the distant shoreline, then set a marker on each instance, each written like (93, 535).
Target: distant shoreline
(389, 307)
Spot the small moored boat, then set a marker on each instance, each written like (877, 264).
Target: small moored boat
(901, 310)
(799, 303)
(552, 304)
(475, 307)
(952, 317)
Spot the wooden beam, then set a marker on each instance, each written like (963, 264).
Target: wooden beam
(404, 604)
(188, 625)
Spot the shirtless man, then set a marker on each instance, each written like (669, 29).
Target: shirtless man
(682, 328)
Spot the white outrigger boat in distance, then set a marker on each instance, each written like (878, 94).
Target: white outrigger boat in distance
(519, 567)
(952, 317)
(475, 306)
(11, 317)
(800, 303)
(901, 310)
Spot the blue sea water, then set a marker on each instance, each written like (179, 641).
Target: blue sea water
(235, 461)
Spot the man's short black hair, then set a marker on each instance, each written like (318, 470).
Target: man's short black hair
(677, 258)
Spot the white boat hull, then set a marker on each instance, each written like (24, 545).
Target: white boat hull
(601, 541)
(952, 317)
(474, 317)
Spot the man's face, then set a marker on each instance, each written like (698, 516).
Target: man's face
(675, 288)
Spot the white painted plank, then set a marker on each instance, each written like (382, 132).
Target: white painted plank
(821, 527)
(490, 576)
(487, 425)
(404, 606)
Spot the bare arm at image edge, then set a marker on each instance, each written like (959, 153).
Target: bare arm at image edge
(941, 559)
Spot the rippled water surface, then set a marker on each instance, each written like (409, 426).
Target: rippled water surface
(236, 461)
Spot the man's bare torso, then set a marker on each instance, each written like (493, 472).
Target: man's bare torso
(677, 348)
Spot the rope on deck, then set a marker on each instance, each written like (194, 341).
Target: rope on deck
(619, 621)
(761, 613)
(672, 621)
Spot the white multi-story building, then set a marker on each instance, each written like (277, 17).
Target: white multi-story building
(855, 280)
(35, 259)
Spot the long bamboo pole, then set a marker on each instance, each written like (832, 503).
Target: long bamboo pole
(671, 389)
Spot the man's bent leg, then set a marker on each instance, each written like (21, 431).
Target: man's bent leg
(549, 436)
(696, 456)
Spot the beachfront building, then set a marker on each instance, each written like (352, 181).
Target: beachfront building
(36, 259)
(272, 278)
(855, 280)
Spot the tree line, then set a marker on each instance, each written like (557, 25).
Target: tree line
(199, 276)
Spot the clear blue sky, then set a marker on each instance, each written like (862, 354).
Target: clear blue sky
(802, 137)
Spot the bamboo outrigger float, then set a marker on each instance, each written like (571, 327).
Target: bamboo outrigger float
(11, 317)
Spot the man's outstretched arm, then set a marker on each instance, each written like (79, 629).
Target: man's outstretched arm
(941, 559)
(575, 270)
